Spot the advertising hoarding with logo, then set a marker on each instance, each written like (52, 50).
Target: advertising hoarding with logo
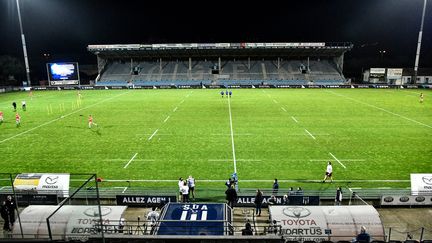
(70, 222)
(334, 223)
(194, 219)
(43, 183)
(421, 184)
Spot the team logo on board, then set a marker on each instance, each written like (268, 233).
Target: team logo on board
(427, 180)
(296, 212)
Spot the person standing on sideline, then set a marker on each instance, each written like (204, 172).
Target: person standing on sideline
(5, 216)
(222, 93)
(191, 185)
(152, 219)
(180, 185)
(275, 186)
(10, 205)
(23, 103)
(338, 199)
(421, 97)
(14, 105)
(185, 192)
(328, 173)
(17, 119)
(258, 202)
(231, 196)
(363, 237)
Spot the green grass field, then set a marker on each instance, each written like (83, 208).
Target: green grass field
(376, 135)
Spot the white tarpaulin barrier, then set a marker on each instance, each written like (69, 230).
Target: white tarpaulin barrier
(69, 223)
(318, 223)
(43, 182)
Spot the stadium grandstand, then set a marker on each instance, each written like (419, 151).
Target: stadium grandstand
(223, 64)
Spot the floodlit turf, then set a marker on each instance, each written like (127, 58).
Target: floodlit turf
(284, 134)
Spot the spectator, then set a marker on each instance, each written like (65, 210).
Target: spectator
(248, 229)
(121, 226)
(273, 228)
(152, 218)
(363, 237)
(231, 196)
(258, 202)
(11, 207)
(191, 185)
(229, 182)
(275, 186)
(285, 200)
(180, 185)
(291, 192)
(272, 200)
(299, 191)
(5, 215)
(338, 199)
(185, 192)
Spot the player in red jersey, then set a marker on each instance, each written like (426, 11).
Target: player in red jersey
(91, 122)
(17, 119)
(1, 117)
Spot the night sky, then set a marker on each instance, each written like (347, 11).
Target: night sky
(63, 28)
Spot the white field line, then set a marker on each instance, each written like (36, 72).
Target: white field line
(237, 134)
(232, 136)
(275, 101)
(133, 157)
(310, 134)
(320, 160)
(181, 102)
(175, 109)
(144, 160)
(338, 160)
(224, 160)
(382, 109)
(166, 119)
(64, 116)
(124, 188)
(153, 134)
(283, 109)
(202, 180)
(294, 119)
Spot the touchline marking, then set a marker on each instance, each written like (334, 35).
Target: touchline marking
(338, 160)
(149, 160)
(294, 119)
(232, 136)
(133, 157)
(283, 109)
(224, 160)
(49, 122)
(320, 160)
(382, 109)
(310, 134)
(166, 119)
(153, 134)
(317, 181)
(175, 109)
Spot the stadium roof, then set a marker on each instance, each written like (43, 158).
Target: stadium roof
(209, 50)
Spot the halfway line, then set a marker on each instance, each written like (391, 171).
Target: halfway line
(133, 157)
(337, 160)
(232, 136)
(153, 134)
(310, 134)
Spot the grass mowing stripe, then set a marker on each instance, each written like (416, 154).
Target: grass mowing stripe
(63, 116)
(379, 108)
(337, 160)
(133, 157)
(232, 136)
